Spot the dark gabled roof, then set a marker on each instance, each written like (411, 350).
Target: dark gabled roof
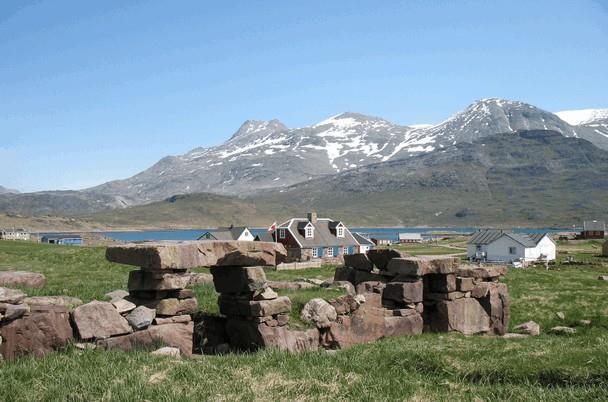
(226, 233)
(265, 236)
(491, 235)
(362, 240)
(594, 226)
(486, 236)
(324, 233)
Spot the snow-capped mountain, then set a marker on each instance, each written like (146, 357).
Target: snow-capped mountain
(583, 116)
(267, 154)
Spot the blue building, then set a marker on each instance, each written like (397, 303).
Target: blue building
(63, 239)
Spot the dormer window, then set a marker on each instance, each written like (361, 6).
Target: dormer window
(340, 231)
(309, 232)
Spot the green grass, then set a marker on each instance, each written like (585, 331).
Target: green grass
(429, 367)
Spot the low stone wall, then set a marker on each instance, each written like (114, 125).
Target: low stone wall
(389, 294)
(450, 296)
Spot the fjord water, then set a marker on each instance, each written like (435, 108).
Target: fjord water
(380, 233)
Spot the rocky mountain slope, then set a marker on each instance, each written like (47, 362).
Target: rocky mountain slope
(529, 178)
(263, 155)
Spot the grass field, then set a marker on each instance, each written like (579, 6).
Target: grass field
(429, 367)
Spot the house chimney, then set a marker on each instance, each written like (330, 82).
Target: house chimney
(312, 217)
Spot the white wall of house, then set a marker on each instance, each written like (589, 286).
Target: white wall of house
(246, 235)
(364, 248)
(500, 250)
(544, 247)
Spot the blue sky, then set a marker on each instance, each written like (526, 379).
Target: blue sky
(94, 91)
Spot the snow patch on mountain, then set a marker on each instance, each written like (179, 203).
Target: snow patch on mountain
(583, 116)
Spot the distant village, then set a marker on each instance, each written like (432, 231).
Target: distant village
(314, 240)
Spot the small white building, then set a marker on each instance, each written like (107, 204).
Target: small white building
(365, 244)
(504, 246)
(14, 234)
(410, 238)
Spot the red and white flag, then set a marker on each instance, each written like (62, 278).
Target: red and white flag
(273, 227)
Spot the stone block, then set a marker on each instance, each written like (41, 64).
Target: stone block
(420, 266)
(410, 324)
(175, 306)
(446, 296)
(465, 315)
(156, 280)
(439, 283)
(380, 257)
(344, 274)
(465, 284)
(364, 325)
(11, 296)
(485, 273)
(174, 335)
(141, 317)
(191, 254)
(359, 262)
(318, 312)
(65, 301)
(363, 276)
(248, 335)
(403, 292)
(344, 304)
(37, 333)
(240, 306)
(234, 280)
(370, 287)
(97, 320)
(177, 319)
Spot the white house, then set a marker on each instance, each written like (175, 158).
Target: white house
(14, 234)
(504, 246)
(365, 244)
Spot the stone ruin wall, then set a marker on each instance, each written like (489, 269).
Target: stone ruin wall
(389, 294)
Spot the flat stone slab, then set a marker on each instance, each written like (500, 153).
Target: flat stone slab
(490, 272)
(22, 278)
(11, 296)
(420, 266)
(98, 320)
(62, 301)
(192, 254)
(174, 335)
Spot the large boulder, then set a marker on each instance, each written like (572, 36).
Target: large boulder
(98, 320)
(191, 254)
(486, 273)
(358, 261)
(22, 278)
(344, 274)
(381, 256)
(495, 301)
(364, 325)
(38, 333)
(11, 296)
(410, 324)
(249, 335)
(318, 312)
(403, 292)
(465, 315)
(238, 279)
(175, 335)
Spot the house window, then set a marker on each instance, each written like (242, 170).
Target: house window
(309, 232)
(478, 247)
(329, 252)
(345, 250)
(315, 252)
(512, 250)
(340, 231)
(281, 233)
